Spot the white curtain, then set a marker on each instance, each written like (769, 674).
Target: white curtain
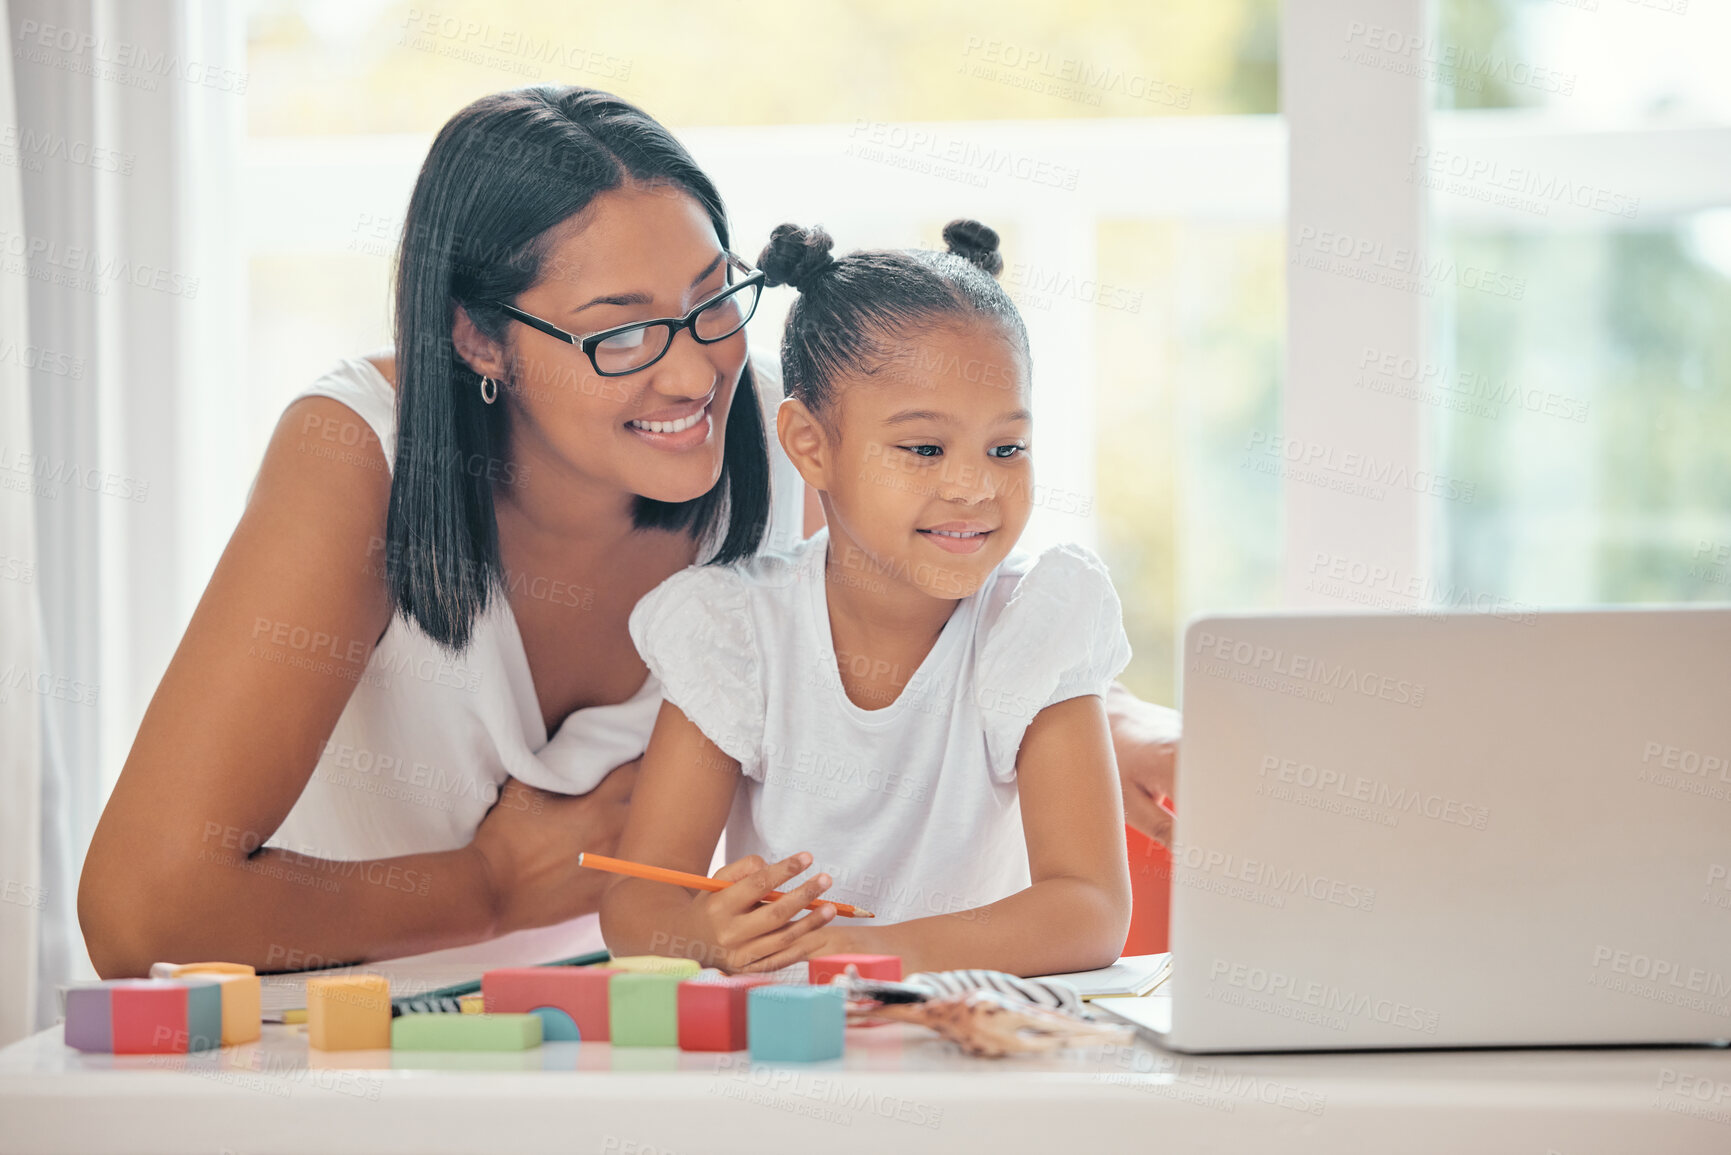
(118, 125)
(23, 911)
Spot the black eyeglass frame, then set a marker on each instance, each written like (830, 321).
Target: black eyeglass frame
(672, 324)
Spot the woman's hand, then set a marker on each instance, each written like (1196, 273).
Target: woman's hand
(529, 842)
(1145, 740)
(736, 932)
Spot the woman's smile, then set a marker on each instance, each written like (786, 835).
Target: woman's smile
(676, 428)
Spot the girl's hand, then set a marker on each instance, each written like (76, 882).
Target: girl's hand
(529, 841)
(738, 933)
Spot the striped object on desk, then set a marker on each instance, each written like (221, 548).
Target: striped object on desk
(1054, 993)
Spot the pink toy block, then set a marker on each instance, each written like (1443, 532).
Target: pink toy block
(714, 1012)
(870, 966)
(580, 992)
(164, 1016)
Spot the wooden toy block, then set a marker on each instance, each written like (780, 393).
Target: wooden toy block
(557, 1026)
(713, 1011)
(350, 1013)
(793, 1023)
(651, 964)
(204, 1010)
(870, 966)
(644, 1009)
(89, 1017)
(483, 1032)
(579, 992)
(210, 968)
(472, 1004)
(164, 1016)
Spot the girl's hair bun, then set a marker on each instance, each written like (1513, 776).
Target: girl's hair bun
(975, 243)
(794, 256)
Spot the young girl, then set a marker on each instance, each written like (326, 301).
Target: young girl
(901, 699)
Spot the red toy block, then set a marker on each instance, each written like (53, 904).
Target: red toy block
(870, 966)
(158, 1016)
(713, 1012)
(580, 992)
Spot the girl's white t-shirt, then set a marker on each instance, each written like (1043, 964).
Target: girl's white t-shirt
(426, 740)
(912, 807)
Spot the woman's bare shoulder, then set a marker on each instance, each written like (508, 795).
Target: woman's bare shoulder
(385, 361)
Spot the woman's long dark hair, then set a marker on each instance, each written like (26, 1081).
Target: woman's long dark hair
(501, 173)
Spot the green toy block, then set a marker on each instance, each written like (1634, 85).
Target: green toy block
(443, 1032)
(652, 964)
(791, 1023)
(644, 1009)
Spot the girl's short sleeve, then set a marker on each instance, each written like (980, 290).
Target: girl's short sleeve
(1059, 636)
(694, 632)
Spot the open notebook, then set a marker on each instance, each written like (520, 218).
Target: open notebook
(426, 985)
(1130, 976)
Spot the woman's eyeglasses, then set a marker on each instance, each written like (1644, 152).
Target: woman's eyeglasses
(627, 348)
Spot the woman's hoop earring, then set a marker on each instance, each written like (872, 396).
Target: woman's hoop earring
(489, 390)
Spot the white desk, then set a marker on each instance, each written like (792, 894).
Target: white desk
(898, 1091)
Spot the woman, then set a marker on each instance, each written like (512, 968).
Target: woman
(408, 698)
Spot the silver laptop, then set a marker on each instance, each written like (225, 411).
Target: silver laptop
(1457, 830)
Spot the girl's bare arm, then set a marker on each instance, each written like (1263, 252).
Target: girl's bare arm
(1075, 915)
(677, 815)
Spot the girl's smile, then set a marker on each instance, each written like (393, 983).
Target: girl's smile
(958, 536)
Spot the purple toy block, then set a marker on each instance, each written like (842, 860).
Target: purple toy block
(89, 1021)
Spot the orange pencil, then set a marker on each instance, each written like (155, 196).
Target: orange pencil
(680, 878)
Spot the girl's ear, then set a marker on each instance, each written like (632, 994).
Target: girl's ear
(806, 442)
(479, 351)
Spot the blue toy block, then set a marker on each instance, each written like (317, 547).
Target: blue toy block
(203, 1012)
(789, 1023)
(557, 1026)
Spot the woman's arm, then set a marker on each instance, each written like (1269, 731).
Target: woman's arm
(1145, 740)
(1077, 911)
(273, 651)
(234, 732)
(678, 812)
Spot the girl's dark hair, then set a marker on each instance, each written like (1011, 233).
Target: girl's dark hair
(500, 175)
(854, 313)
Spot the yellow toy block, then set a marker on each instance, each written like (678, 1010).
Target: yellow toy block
(349, 1013)
(649, 964)
(472, 1004)
(212, 968)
